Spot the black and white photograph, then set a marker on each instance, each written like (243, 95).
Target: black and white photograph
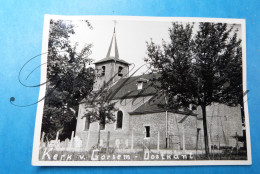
(142, 91)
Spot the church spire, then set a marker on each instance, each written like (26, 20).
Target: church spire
(112, 53)
(113, 41)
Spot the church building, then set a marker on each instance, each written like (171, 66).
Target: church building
(140, 122)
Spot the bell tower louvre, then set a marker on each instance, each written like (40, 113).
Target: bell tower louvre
(111, 68)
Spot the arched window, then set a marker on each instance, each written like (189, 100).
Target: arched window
(87, 123)
(120, 68)
(103, 70)
(119, 120)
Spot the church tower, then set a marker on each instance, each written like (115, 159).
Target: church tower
(110, 69)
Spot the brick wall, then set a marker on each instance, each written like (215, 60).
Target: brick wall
(110, 71)
(223, 123)
(125, 105)
(157, 123)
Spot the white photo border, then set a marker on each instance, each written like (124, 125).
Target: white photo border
(40, 106)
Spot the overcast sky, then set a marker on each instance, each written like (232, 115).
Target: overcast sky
(131, 38)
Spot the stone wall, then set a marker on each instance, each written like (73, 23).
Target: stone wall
(110, 71)
(125, 105)
(157, 123)
(224, 123)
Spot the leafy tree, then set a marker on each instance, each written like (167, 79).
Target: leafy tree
(99, 108)
(217, 54)
(174, 63)
(69, 81)
(199, 70)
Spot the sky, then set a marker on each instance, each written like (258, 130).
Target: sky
(131, 38)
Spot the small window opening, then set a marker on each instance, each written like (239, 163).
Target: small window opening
(120, 68)
(102, 124)
(119, 121)
(87, 123)
(103, 70)
(147, 131)
(140, 85)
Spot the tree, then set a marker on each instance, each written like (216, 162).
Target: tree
(69, 81)
(174, 63)
(100, 108)
(196, 69)
(217, 57)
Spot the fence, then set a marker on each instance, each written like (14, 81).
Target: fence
(134, 141)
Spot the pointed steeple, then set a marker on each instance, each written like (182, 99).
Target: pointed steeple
(112, 53)
(113, 41)
(111, 68)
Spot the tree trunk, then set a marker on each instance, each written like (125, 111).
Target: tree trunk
(204, 116)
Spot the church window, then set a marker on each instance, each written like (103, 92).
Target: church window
(119, 120)
(147, 131)
(102, 125)
(103, 70)
(87, 123)
(120, 68)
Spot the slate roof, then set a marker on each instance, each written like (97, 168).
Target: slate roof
(154, 105)
(127, 87)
